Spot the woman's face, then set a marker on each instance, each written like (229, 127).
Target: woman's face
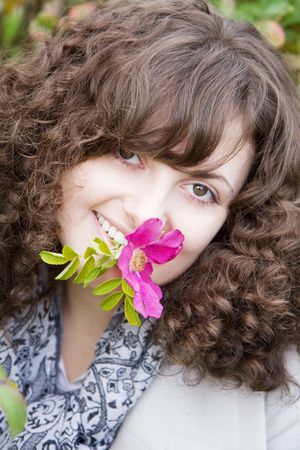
(126, 190)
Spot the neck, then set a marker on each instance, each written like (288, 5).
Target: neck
(83, 324)
(82, 308)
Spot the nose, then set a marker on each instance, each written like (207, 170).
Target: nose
(147, 204)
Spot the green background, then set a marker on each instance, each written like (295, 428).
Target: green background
(24, 23)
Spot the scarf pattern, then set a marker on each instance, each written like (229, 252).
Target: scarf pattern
(125, 363)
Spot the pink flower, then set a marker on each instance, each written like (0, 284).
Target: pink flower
(146, 245)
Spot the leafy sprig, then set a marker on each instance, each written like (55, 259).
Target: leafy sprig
(99, 257)
(12, 404)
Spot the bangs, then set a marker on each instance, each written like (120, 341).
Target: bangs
(158, 101)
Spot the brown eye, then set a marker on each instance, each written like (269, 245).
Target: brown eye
(199, 190)
(130, 159)
(126, 154)
(201, 193)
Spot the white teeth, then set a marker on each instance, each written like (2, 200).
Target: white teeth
(100, 218)
(119, 237)
(105, 225)
(112, 232)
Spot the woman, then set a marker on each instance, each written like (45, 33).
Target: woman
(154, 110)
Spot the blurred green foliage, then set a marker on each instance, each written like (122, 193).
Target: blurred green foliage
(27, 22)
(277, 20)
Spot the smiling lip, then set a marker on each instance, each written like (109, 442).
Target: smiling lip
(104, 235)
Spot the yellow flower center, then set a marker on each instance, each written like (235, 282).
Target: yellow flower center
(138, 261)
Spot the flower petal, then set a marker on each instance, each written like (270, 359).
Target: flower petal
(147, 301)
(166, 248)
(133, 282)
(146, 272)
(147, 294)
(173, 238)
(124, 260)
(145, 275)
(145, 233)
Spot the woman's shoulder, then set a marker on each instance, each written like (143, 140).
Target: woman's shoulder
(283, 408)
(292, 361)
(175, 414)
(189, 415)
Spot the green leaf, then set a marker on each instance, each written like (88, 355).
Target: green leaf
(47, 21)
(3, 375)
(89, 252)
(277, 10)
(226, 7)
(13, 406)
(107, 286)
(130, 313)
(86, 268)
(102, 260)
(103, 247)
(69, 271)
(92, 275)
(109, 263)
(291, 19)
(69, 253)
(12, 23)
(52, 258)
(127, 289)
(112, 301)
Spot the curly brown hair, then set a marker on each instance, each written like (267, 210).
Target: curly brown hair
(97, 86)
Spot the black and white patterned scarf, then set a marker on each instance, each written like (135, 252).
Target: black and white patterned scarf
(90, 417)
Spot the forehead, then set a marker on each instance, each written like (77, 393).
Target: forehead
(224, 150)
(230, 146)
(231, 159)
(187, 143)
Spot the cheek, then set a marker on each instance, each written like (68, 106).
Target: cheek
(201, 230)
(165, 273)
(196, 240)
(168, 272)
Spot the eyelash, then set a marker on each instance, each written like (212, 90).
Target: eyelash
(131, 166)
(126, 163)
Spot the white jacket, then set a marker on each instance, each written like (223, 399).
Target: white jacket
(173, 416)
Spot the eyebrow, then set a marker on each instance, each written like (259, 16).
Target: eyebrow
(209, 176)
